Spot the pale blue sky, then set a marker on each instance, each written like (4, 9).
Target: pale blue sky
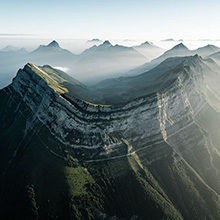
(112, 19)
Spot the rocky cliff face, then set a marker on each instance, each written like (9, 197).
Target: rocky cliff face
(157, 151)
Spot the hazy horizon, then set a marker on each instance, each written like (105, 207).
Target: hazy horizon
(79, 45)
(111, 20)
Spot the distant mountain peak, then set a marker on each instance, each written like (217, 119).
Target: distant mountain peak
(106, 43)
(147, 43)
(53, 44)
(54, 48)
(94, 40)
(169, 39)
(180, 46)
(207, 50)
(211, 46)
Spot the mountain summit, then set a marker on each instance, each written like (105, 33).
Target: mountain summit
(106, 43)
(207, 50)
(149, 50)
(180, 50)
(51, 54)
(180, 46)
(146, 43)
(53, 44)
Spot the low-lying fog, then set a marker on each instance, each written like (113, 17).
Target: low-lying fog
(86, 67)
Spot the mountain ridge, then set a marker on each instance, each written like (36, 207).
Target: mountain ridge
(179, 50)
(91, 157)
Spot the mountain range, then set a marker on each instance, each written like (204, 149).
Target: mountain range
(107, 60)
(179, 50)
(97, 63)
(141, 147)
